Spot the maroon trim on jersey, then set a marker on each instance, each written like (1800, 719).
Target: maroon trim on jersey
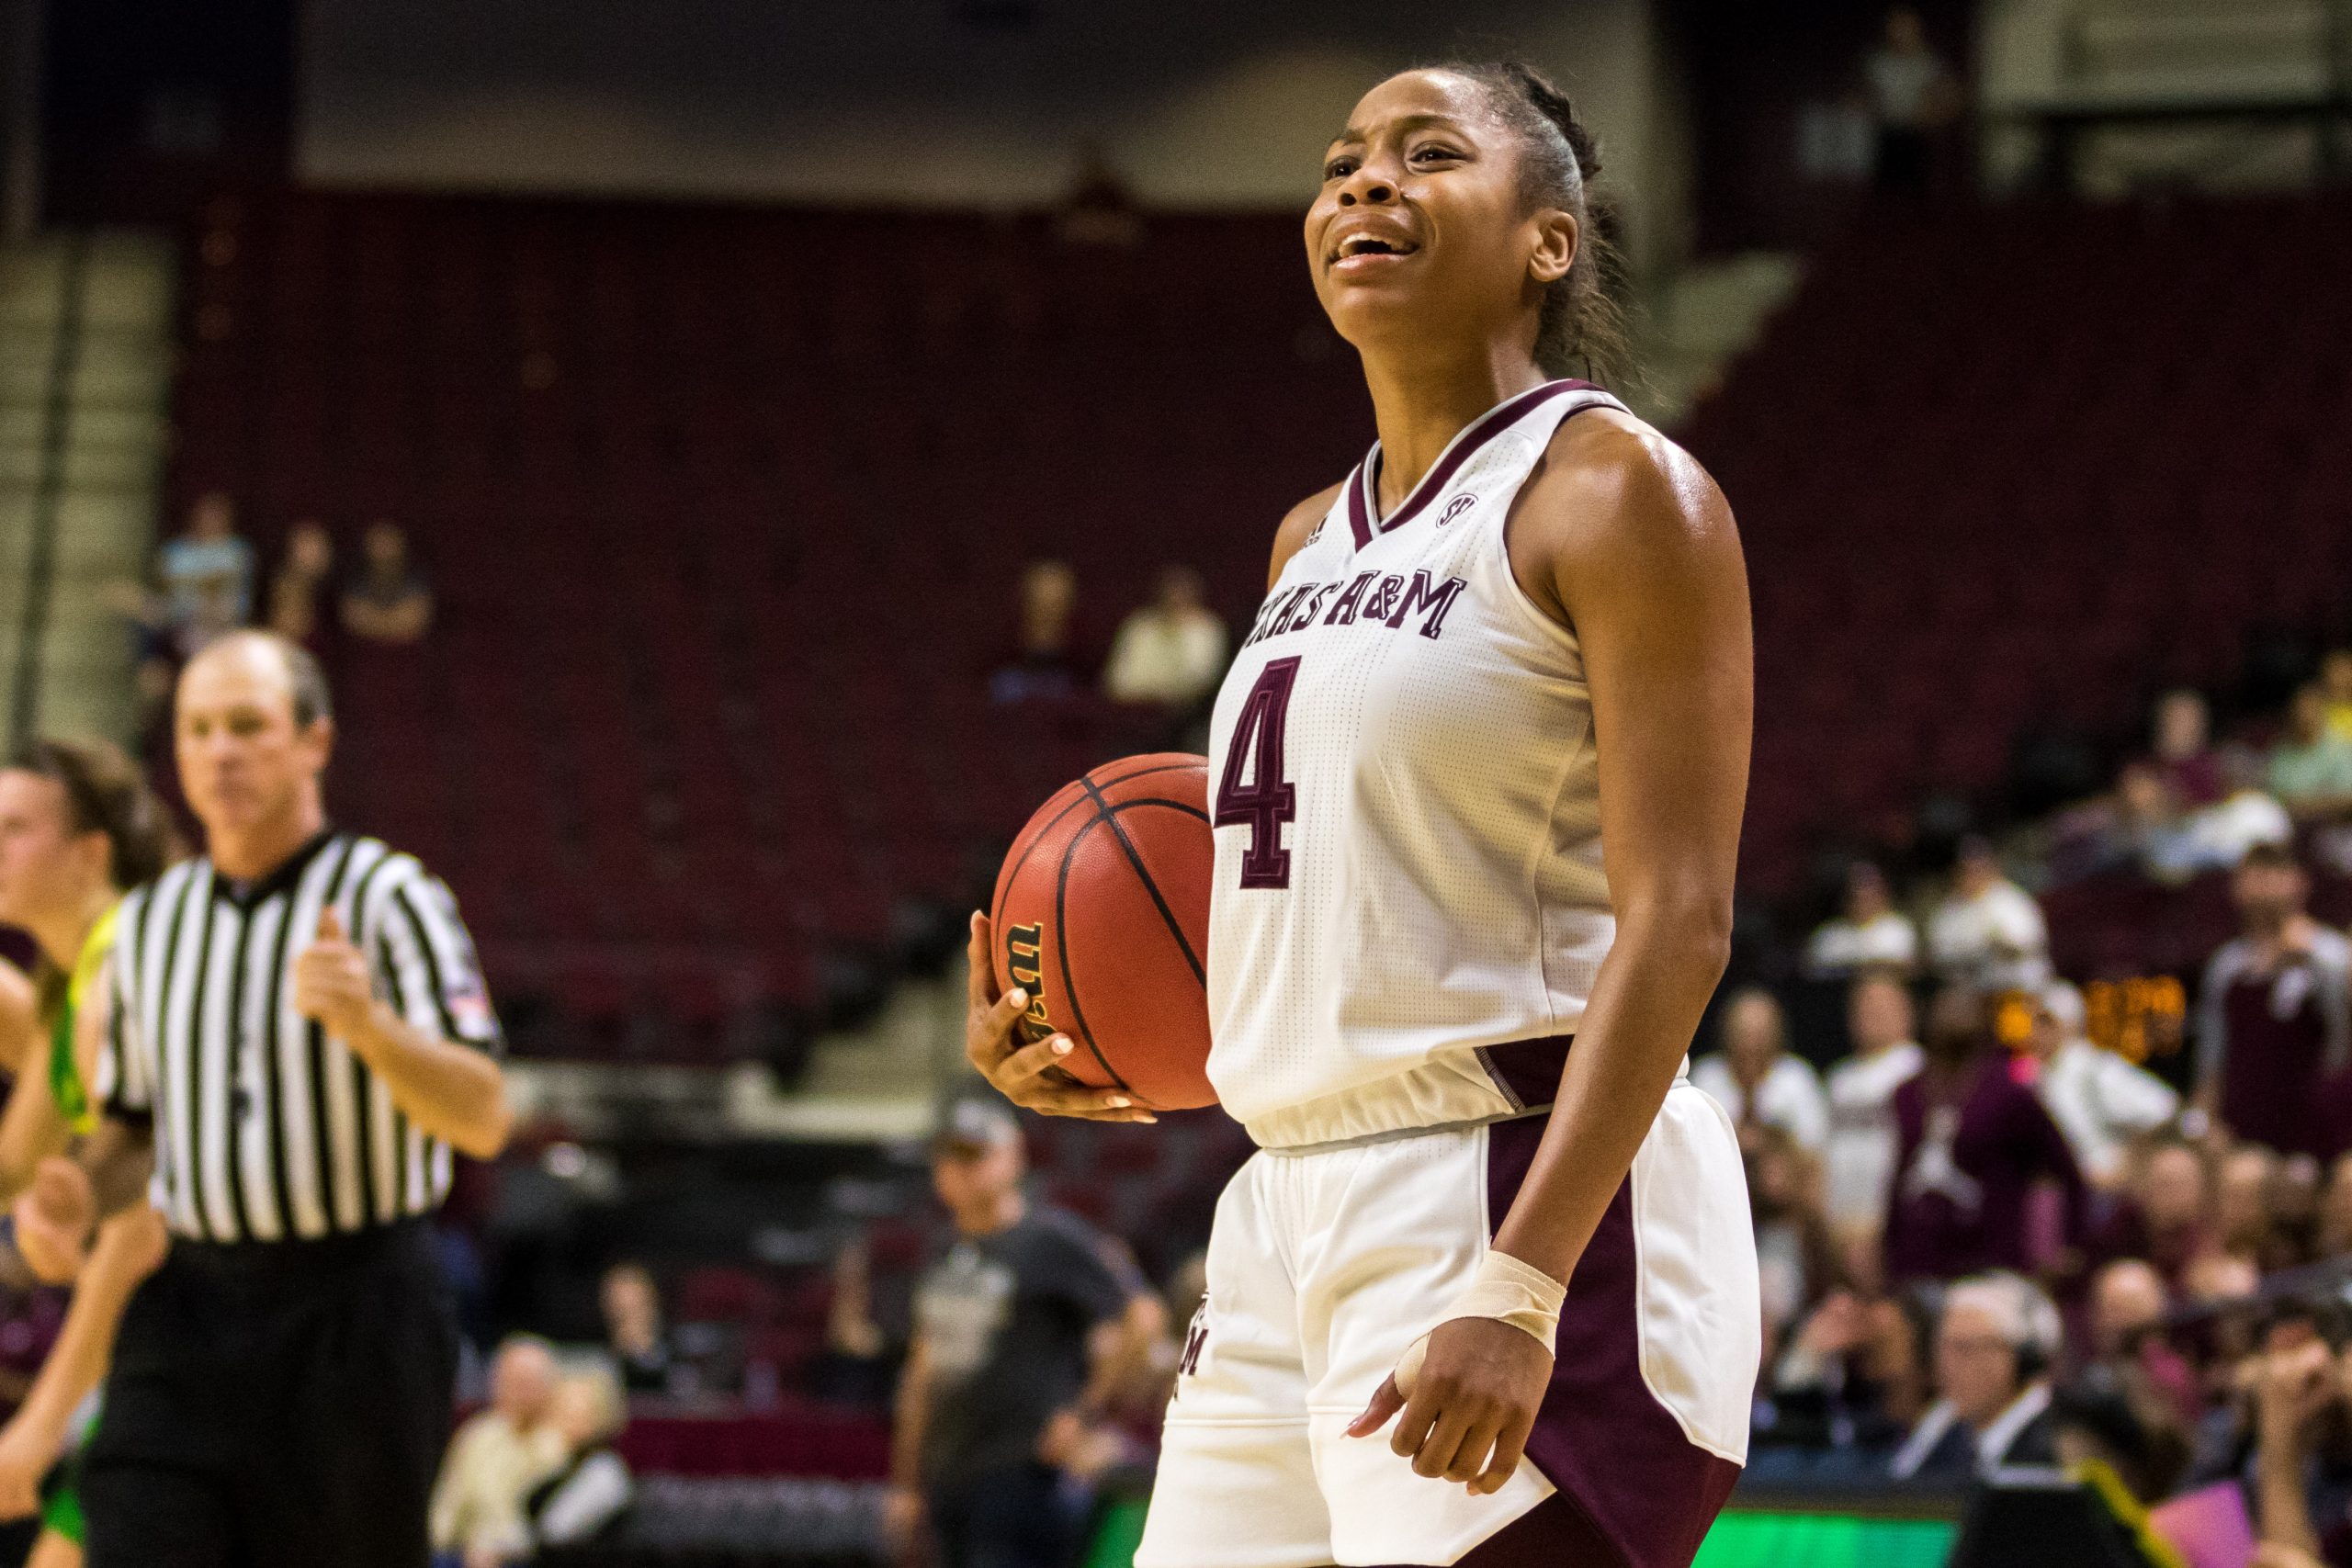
(1358, 512)
(1363, 485)
(1528, 1071)
(1600, 1436)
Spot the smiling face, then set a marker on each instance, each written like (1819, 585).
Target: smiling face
(1422, 234)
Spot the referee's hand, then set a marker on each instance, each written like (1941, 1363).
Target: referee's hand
(331, 985)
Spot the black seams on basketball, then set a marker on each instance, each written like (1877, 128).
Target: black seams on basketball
(1101, 914)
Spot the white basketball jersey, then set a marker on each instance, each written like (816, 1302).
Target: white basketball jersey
(1407, 809)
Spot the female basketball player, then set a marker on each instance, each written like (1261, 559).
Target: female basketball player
(1518, 633)
(78, 829)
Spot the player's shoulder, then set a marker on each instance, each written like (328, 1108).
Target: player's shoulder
(1298, 525)
(1606, 465)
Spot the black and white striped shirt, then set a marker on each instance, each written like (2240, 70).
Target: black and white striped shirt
(266, 1129)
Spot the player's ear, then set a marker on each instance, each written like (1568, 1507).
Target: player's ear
(1557, 238)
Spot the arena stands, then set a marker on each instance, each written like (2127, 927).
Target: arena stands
(2106, 454)
(666, 731)
(724, 511)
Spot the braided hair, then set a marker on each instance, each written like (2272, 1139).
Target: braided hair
(1581, 330)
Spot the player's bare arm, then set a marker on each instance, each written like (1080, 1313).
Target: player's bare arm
(1624, 537)
(19, 1018)
(1297, 525)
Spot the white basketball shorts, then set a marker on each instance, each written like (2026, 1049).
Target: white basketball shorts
(1324, 1265)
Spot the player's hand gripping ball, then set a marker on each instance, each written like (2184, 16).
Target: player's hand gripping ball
(1088, 992)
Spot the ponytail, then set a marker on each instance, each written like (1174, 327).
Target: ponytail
(1581, 329)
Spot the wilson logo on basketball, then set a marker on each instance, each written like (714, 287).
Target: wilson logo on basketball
(1022, 945)
(1455, 508)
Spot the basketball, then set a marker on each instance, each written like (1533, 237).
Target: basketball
(1101, 914)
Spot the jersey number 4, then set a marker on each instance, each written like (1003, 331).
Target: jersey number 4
(1267, 800)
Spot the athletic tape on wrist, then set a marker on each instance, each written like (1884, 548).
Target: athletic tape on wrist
(1507, 1290)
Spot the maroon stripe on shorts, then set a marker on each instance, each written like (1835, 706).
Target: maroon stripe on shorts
(1600, 1436)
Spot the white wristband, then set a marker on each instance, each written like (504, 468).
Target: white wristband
(1507, 1290)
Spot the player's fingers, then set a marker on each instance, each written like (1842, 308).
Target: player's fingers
(980, 983)
(1509, 1443)
(1413, 1424)
(1077, 1099)
(1469, 1460)
(987, 1035)
(1030, 1061)
(1386, 1403)
(1436, 1452)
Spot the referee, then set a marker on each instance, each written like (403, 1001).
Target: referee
(299, 1033)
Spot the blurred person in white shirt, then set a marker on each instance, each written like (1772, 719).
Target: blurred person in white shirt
(1755, 1079)
(1988, 932)
(1171, 652)
(496, 1458)
(2100, 1100)
(1860, 1157)
(1870, 934)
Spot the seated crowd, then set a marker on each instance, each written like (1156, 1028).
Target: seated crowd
(1986, 1240)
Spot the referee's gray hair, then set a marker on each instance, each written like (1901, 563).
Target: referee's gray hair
(305, 679)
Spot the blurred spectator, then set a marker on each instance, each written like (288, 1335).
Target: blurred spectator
(2182, 748)
(855, 1367)
(590, 1488)
(206, 574)
(2311, 767)
(2242, 1199)
(1996, 1341)
(2166, 1216)
(2272, 1022)
(1045, 661)
(387, 602)
(637, 1336)
(1869, 933)
(1859, 1161)
(2144, 829)
(294, 591)
(2336, 680)
(1794, 1260)
(1854, 1377)
(2335, 1228)
(1973, 1146)
(1755, 1079)
(1171, 652)
(496, 1458)
(2100, 1100)
(2128, 1305)
(1911, 96)
(2302, 1451)
(1988, 932)
(1022, 1332)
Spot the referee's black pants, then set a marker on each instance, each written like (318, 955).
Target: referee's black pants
(276, 1404)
